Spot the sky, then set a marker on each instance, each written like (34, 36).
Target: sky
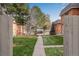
(52, 9)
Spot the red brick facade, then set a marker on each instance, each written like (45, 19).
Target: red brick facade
(73, 11)
(58, 28)
(18, 29)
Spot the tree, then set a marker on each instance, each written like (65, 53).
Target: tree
(41, 20)
(40, 17)
(47, 23)
(18, 11)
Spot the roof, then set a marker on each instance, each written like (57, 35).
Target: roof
(57, 21)
(68, 7)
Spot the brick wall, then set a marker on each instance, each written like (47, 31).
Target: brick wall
(58, 28)
(73, 11)
(18, 29)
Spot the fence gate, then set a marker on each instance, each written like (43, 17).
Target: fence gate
(71, 35)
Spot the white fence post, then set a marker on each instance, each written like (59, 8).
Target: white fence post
(71, 35)
(6, 35)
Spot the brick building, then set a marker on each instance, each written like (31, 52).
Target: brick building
(70, 9)
(58, 25)
(18, 29)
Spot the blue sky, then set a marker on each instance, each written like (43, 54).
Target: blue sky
(52, 9)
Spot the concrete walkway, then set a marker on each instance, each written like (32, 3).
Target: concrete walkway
(39, 48)
(53, 46)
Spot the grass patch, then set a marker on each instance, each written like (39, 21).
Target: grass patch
(53, 40)
(23, 46)
(54, 51)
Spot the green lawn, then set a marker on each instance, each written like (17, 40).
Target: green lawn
(23, 46)
(54, 51)
(53, 40)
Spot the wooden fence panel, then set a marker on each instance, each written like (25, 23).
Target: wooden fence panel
(6, 35)
(71, 35)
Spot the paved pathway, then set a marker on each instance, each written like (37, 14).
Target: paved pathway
(39, 48)
(52, 46)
